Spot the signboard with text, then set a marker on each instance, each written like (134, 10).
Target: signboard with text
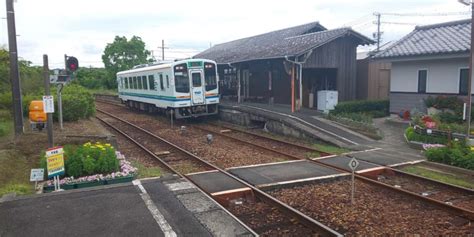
(48, 104)
(36, 175)
(55, 161)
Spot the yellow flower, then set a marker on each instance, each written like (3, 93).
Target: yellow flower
(107, 144)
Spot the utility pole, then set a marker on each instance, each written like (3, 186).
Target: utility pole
(47, 91)
(163, 50)
(14, 71)
(377, 14)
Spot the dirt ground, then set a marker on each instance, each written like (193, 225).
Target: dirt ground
(19, 155)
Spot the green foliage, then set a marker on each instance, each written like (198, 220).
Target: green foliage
(444, 102)
(88, 159)
(453, 127)
(428, 139)
(78, 103)
(123, 54)
(94, 78)
(19, 189)
(457, 155)
(374, 108)
(442, 177)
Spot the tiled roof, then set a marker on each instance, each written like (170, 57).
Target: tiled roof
(277, 44)
(444, 38)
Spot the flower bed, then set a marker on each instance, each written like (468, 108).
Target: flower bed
(125, 174)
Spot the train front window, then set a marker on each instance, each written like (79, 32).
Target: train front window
(181, 78)
(196, 79)
(210, 76)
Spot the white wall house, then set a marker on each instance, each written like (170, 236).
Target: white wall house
(431, 60)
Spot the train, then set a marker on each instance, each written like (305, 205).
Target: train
(182, 89)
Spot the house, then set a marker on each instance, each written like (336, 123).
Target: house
(289, 66)
(373, 76)
(431, 60)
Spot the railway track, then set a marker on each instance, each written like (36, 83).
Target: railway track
(270, 144)
(455, 199)
(277, 210)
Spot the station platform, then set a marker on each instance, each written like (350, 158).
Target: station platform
(307, 121)
(157, 207)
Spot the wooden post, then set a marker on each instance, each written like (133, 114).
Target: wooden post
(293, 88)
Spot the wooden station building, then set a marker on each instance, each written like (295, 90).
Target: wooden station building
(286, 65)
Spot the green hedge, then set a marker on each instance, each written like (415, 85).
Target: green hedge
(375, 108)
(457, 156)
(78, 103)
(413, 136)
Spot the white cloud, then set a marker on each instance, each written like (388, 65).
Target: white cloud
(83, 28)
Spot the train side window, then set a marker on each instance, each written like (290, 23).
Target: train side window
(151, 81)
(129, 79)
(162, 86)
(134, 82)
(139, 81)
(144, 82)
(167, 82)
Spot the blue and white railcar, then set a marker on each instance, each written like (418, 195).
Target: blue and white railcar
(186, 88)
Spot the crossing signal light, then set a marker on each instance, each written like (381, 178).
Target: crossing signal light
(72, 64)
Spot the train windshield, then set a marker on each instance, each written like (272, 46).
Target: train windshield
(210, 76)
(181, 78)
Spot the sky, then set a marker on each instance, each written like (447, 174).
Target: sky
(83, 28)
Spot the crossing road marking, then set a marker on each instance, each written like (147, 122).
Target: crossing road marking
(159, 218)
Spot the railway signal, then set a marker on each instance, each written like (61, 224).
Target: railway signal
(72, 64)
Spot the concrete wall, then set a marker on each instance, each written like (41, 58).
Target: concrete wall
(443, 75)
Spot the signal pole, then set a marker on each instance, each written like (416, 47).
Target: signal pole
(14, 74)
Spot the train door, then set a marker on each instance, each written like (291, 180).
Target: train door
(197, 89)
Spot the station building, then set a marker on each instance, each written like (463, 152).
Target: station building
(289, 66)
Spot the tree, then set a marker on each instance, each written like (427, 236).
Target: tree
(123, 54)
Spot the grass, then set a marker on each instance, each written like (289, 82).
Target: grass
(146, 172)
(6, 123)
(14, 173)
(330, 149)
(19, 189)
(445, 178)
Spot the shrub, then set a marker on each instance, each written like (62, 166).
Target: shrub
(88, 159)
(78, 103)
(458, 155)
(429, 139)
(375, 108)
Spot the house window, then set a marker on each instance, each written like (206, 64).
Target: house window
(463, 80)
(422, 76)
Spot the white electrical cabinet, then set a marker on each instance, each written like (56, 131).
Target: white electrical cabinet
(327, 100)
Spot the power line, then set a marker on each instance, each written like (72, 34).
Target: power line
(398, 23)
(427, 14)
